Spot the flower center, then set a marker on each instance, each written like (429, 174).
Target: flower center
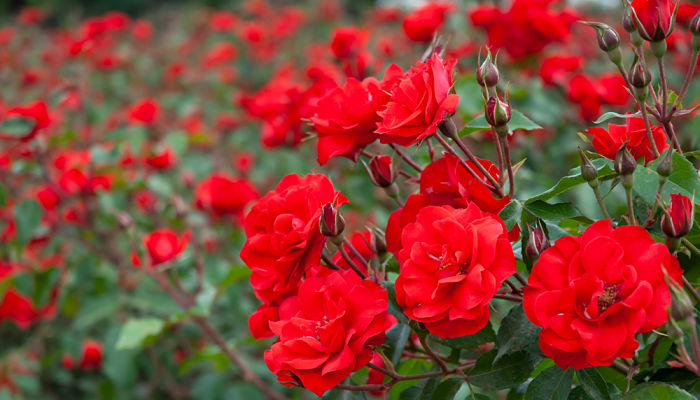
(608, 297)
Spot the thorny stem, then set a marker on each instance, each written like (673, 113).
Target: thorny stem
(630, 207)
(688, 77)
(406, 158)
(499, 151)
(397, 378)
(509, 165)
(601, 204)
(671, 133)
(329, 263)
(664, 87)
(494, 189)
(640, 51)
(690, 246)
(350, 261)
(440, 362)
(691, 289)
(520, 278)
(185, 303)
(356, 253)
(647, 126)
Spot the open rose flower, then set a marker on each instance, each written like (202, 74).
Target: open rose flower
(419, 102)
(421, 24)
(164, 245)
(452, 263)
(446, 182)
(36, 113)
(284, 240)
(327, 331)
(608, 142)
(222, 195)
(592, 293)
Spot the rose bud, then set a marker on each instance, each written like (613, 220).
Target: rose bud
(497, 112)
(377, 241)
(628, 21)
(537, 242)
(695, 31)
(639, 76)
(487, 74)
(381, 171)
(678, 219)
(665, 166)
(331, 222)
(588, 170)
(654, 18)
(625, 164)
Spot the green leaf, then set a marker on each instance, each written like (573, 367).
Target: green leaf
(609, 115)
(517, 121)
(508, 371)
(574, 178)
(447, 389)
(683, 180)
(16, 126)
(556, 211)
(27, 218)
(593, 384)
(3, 195)
(510, 214)
(469, 92)
(485, 335)
(657, 391)
(517, 333)
(178, 142)
(396, 338)
(136, 330)
(552, 383)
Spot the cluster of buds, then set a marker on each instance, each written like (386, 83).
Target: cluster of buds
(496, 111)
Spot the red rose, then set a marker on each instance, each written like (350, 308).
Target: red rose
(164, 158)
(592, 293)
(144, 111)
(653, 18)
(221, 195)
(283, 236)
(419, 102)
(36, 112)
(220, 53)
(347, 40)
(607, 143)
(327, 331)
(421, 24)
(17, 307)
(346, 118)
(445, 182)
(164, 245)
(452, 263)
(554, 69)
(91, 357)
(680, 217)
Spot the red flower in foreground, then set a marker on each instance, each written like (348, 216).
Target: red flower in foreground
(164, 245)
(419, 102)
(653, 18)
(327, 331)
(346, 118)
(446, 182)
(284, 240)
(591, 294)
(91, 357)
(421, 24)
(452, 263)
(608, 142)
(221, 194)
(144, 111)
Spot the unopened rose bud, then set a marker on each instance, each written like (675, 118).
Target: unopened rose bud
(654, 19)
(537, 242)
(589, 173)
(377, 241)
(331, 222)
(628, 21)
(638, 75)
(678, 219)
(487, 74)
(695, 30)
(625, 164)
(665, 166)
(681, 310)
(381, 171)
(608, 38)
(497, 112)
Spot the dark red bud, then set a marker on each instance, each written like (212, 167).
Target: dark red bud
(678, 220)
(331, 222)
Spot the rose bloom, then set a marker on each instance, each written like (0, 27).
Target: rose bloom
(91, 357)
(346, 118)
(164, 245)
(163, 158)
(419, 102)
(608, 142)
(592, 293)
(555, 69)
(283, 235)
(347, 40)
(221, 195)
(328, 330)
(19, 308)
(446, 182)
(36, 112)
(144, 111)
(421, 24)
(452, 263)
(653, 18)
